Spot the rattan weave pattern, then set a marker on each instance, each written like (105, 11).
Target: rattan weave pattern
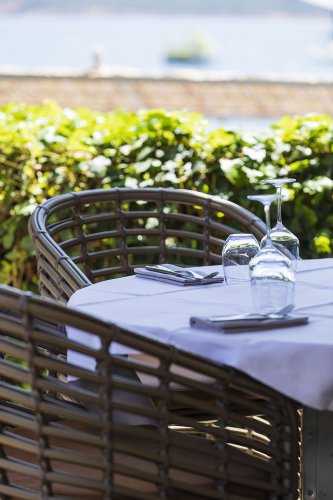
(51, 447)
(89, 236)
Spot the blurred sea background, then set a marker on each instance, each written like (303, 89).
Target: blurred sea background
(282, 38)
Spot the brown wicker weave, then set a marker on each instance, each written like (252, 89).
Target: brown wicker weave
(52, 447)
(81, 238)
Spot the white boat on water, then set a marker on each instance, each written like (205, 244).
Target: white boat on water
(196, 51)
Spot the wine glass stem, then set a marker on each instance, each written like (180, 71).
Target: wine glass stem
(279, 203)
(268, 224)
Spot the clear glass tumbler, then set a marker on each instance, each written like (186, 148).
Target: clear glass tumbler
(237, 252)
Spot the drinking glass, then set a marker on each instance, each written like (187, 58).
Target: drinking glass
(237, 252)
(271, 272)
(284, 239)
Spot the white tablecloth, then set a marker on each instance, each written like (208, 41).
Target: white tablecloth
(296, 361)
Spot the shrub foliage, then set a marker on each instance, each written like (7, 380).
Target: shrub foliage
(47, 150)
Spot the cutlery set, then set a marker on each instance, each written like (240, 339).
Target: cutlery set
(180, 271)
(176, 275)
(247, 323)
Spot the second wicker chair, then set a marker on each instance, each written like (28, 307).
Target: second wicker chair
(84, 237)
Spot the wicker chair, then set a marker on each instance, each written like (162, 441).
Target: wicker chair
(52, 447)
(84, 237)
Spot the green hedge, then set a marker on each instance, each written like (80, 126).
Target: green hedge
(47, 150)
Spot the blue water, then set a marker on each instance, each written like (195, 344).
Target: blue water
(280, 45)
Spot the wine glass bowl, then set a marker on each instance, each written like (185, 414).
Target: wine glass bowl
(271, 272)
(281, 237)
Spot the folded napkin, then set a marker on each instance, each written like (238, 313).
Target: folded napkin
(232, 324)
(142, 272)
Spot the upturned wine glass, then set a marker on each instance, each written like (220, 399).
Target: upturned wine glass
(271, 272)
(284, 239)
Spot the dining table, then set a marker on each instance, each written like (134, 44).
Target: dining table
(295, 360)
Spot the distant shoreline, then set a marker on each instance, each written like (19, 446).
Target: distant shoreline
(188, 7)
(72, 7)
(110, 12)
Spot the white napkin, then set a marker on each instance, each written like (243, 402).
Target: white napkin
(238, 325)
(142, 272)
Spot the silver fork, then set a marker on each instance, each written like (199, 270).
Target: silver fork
(180, 271)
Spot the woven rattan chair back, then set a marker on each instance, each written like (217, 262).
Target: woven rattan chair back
(81, 238)
(52, 447)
